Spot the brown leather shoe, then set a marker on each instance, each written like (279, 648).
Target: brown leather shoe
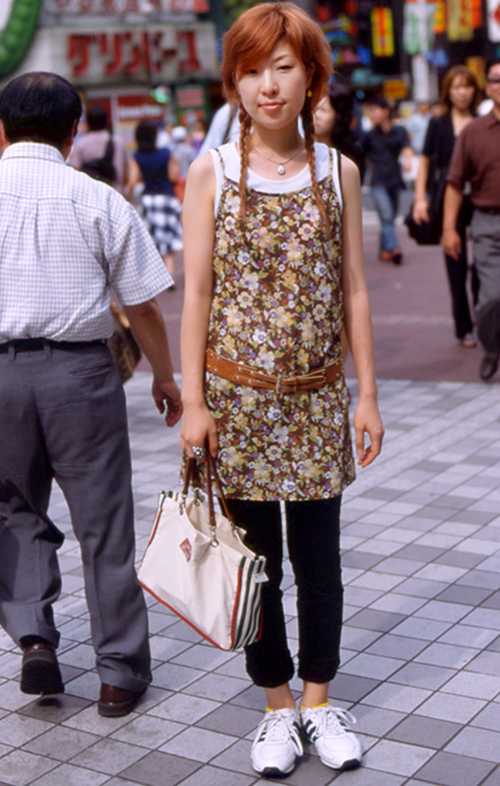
(115, 702)
(385, 256)
(40, 671)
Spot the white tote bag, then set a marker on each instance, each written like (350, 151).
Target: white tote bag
(197, 565)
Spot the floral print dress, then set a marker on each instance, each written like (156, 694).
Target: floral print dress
(277, 306)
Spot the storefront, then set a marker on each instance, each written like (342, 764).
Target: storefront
(140, 58)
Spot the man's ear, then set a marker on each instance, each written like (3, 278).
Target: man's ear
(68, 143)
(4, 142)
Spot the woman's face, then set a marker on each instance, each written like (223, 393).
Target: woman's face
(273, 90)
(461, 94)
(324, 118)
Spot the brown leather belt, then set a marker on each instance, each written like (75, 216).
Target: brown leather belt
(252, 377)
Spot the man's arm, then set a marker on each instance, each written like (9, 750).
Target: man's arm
(148, 327)
(451, 239)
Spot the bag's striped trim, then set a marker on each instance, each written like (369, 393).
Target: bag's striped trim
(247, 604)
(246, 623)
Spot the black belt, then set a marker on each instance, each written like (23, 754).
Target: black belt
(490, 211)
(39, 344)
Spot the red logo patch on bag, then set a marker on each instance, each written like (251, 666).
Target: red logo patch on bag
(186, 548)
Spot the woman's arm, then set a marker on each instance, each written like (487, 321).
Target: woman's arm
(357, 319)
(421, 205)
(134, 177)
(173, 169)
(199, 229)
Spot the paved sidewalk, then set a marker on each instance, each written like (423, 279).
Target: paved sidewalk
(421, 641)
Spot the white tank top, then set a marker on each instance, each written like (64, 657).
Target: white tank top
(231, 159)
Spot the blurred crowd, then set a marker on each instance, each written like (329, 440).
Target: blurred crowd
(396, 147)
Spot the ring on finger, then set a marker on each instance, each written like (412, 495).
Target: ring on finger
(198, 452)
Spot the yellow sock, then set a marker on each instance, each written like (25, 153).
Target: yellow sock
(272, 709)
(316, 707)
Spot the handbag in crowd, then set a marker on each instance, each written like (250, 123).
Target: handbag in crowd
(197, 565)
(123, 347)
(427, 233)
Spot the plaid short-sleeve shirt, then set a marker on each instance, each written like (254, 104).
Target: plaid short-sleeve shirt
(65, 240)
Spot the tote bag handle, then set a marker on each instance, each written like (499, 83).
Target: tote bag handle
(192, 477)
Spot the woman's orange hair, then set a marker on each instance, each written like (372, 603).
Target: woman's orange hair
(252, 38)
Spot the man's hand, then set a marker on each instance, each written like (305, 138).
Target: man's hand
(452, 244)
(168, 392)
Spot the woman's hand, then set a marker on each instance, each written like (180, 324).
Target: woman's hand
(367, 420)
(198, 425)
(420, 211)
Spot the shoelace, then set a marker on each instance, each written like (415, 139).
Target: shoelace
(276, 728)
(334, 721)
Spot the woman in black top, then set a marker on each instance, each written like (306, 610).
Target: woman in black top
(460, 95)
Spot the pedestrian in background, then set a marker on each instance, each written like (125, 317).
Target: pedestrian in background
(94, 145)
(476, 160)
(65, 239)
(460, 95)
(383, 146)
(159, 170)
(274, 266)
(335, 124)
(184, 153)
(416, 126)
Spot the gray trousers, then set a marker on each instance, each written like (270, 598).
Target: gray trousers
(63, 416)
(485, 229)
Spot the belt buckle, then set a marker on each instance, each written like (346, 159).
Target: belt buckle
(278, 384)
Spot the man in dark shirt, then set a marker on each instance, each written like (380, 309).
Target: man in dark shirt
(383, 146)
(476, 160)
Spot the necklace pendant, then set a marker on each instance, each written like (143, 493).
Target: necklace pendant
(281, 170)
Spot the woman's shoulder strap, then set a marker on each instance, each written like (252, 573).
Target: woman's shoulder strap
(336, 170)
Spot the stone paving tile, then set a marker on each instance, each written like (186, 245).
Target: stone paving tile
(448, 770)
(61, 743)
(427, 732)
(69, 775)
(160, 768)
(421, 645)
(482, 743)
(397, 758)
(229, 719)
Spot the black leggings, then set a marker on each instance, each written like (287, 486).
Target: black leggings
(313, 536)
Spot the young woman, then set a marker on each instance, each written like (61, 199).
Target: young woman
(460, 96)
(335, 124)
(274, 266)
(159, 170)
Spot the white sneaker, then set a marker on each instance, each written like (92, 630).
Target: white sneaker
(327, 727)
(277, 743)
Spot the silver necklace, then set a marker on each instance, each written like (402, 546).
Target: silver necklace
(281, 164)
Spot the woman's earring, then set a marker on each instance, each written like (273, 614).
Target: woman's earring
(309, 93)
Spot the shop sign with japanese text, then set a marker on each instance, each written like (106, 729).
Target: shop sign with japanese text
(151, 54)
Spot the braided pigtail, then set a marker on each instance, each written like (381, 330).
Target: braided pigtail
(245, 126)
(308, 124)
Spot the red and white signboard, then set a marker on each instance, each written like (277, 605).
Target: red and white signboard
(494, 20)
(151, 54)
